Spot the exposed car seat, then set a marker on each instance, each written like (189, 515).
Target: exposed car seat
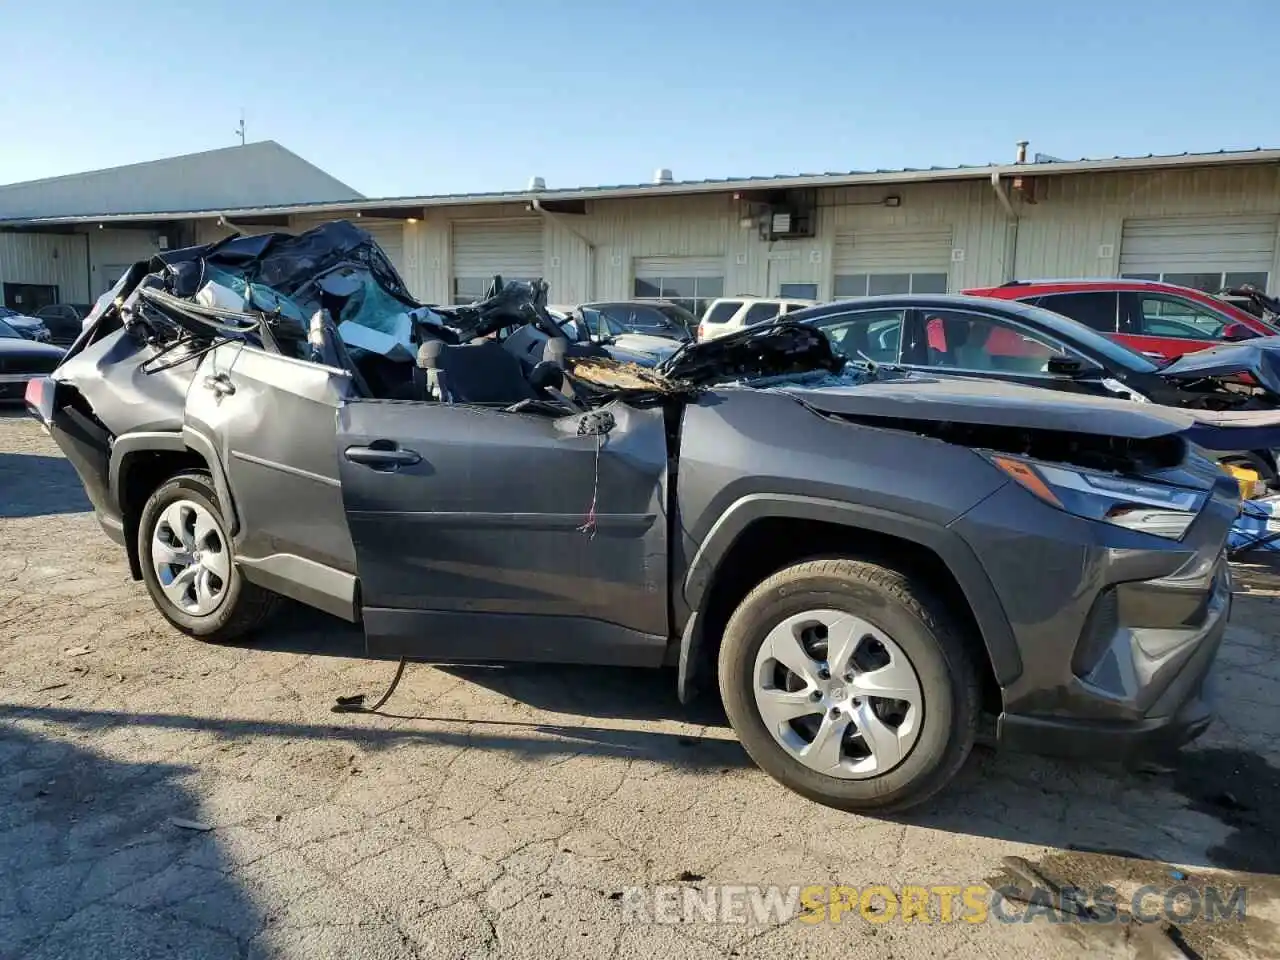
(970, 347)
(473, 373)
(854, 342)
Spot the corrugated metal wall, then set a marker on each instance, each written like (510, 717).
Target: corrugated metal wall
(47, 258)
(111, 251)
(593, 256)
(1075, 227)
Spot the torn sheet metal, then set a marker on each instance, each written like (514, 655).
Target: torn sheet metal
(1259, 358)
(773, 348)
(277, 280)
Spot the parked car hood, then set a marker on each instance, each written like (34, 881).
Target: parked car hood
(994, 403)
(658, 347)
(1259, 358)
(28, 348)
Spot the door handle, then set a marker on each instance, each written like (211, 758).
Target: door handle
(220, 384)
(1154, 355)
(383, 455)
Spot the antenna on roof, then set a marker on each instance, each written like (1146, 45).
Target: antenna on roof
(240, 129)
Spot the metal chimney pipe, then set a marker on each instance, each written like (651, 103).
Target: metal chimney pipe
(1022, 150)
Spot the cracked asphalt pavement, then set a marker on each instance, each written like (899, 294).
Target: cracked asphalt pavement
(163, 797)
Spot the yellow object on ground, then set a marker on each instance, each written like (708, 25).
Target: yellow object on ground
(1251, 483)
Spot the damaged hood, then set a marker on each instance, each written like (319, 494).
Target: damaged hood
(1259, 358)
(777, 348)
(993, 403)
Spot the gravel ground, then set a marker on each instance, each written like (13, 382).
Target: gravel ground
(161, 797)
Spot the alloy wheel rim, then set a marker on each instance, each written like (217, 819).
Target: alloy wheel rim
(190, 557)
(838, 694)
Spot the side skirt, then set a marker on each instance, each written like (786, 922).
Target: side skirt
(450, 636)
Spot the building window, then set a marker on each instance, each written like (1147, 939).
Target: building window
(1207, 280)
(798, 291)
(879, 284)
(692, 293)
(471, 289)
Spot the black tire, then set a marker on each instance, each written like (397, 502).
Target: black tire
(244, 606)
(924, 629)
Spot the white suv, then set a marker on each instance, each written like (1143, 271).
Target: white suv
(733, 313)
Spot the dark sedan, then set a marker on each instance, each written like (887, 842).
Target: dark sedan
(1234, 391)
(21, 360)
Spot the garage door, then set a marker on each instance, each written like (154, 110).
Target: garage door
(511, 249)
(1208, 253)
(872, 262)
(689, 281)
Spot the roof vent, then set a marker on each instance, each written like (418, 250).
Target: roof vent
(662, 175)
(1022, 150)
(537, 183)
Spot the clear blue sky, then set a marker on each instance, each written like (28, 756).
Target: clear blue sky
(403, 97)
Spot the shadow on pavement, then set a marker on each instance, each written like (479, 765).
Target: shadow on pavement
(527, 740)
(297, 628)
(617, 692)
(35, 485)
(94, 867)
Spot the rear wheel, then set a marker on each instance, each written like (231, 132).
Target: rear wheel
(850, 683)
(188, 564)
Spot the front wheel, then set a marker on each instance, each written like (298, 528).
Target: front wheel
(850, 683)
(188, 564)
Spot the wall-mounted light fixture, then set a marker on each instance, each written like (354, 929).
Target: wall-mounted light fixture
(893, 200)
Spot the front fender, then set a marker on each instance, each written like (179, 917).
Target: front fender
(953, 551)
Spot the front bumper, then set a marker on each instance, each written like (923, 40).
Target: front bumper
(1182, 711)
(1116, 630)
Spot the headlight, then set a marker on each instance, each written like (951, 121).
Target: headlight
(1142, 505)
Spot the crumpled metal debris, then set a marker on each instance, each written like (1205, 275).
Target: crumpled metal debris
(268, 286)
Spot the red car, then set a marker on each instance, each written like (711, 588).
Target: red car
(1159, 320)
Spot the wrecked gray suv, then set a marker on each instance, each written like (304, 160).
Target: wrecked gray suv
(865, 565)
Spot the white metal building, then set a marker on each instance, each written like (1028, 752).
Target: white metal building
(76, 260)
(1204, 219)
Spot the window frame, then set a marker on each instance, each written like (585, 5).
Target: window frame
(1163, 275)
(784, 294)
(919, 342)
(909, 274)
(733, 305)
(696, 304)
(1116, 311)
(1135, 318)
(836, 319)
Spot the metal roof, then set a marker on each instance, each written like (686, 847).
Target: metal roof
(1043, 167)
(236, 176)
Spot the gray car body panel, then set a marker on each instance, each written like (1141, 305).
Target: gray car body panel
(995, 403)
(482, 534)
(1259, 358)
(271, 420)
(509, 528)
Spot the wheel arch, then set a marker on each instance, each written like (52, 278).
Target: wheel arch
(142, 460)
(759, 534)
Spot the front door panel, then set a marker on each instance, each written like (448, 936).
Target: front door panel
(507, 535)
(272, 420)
